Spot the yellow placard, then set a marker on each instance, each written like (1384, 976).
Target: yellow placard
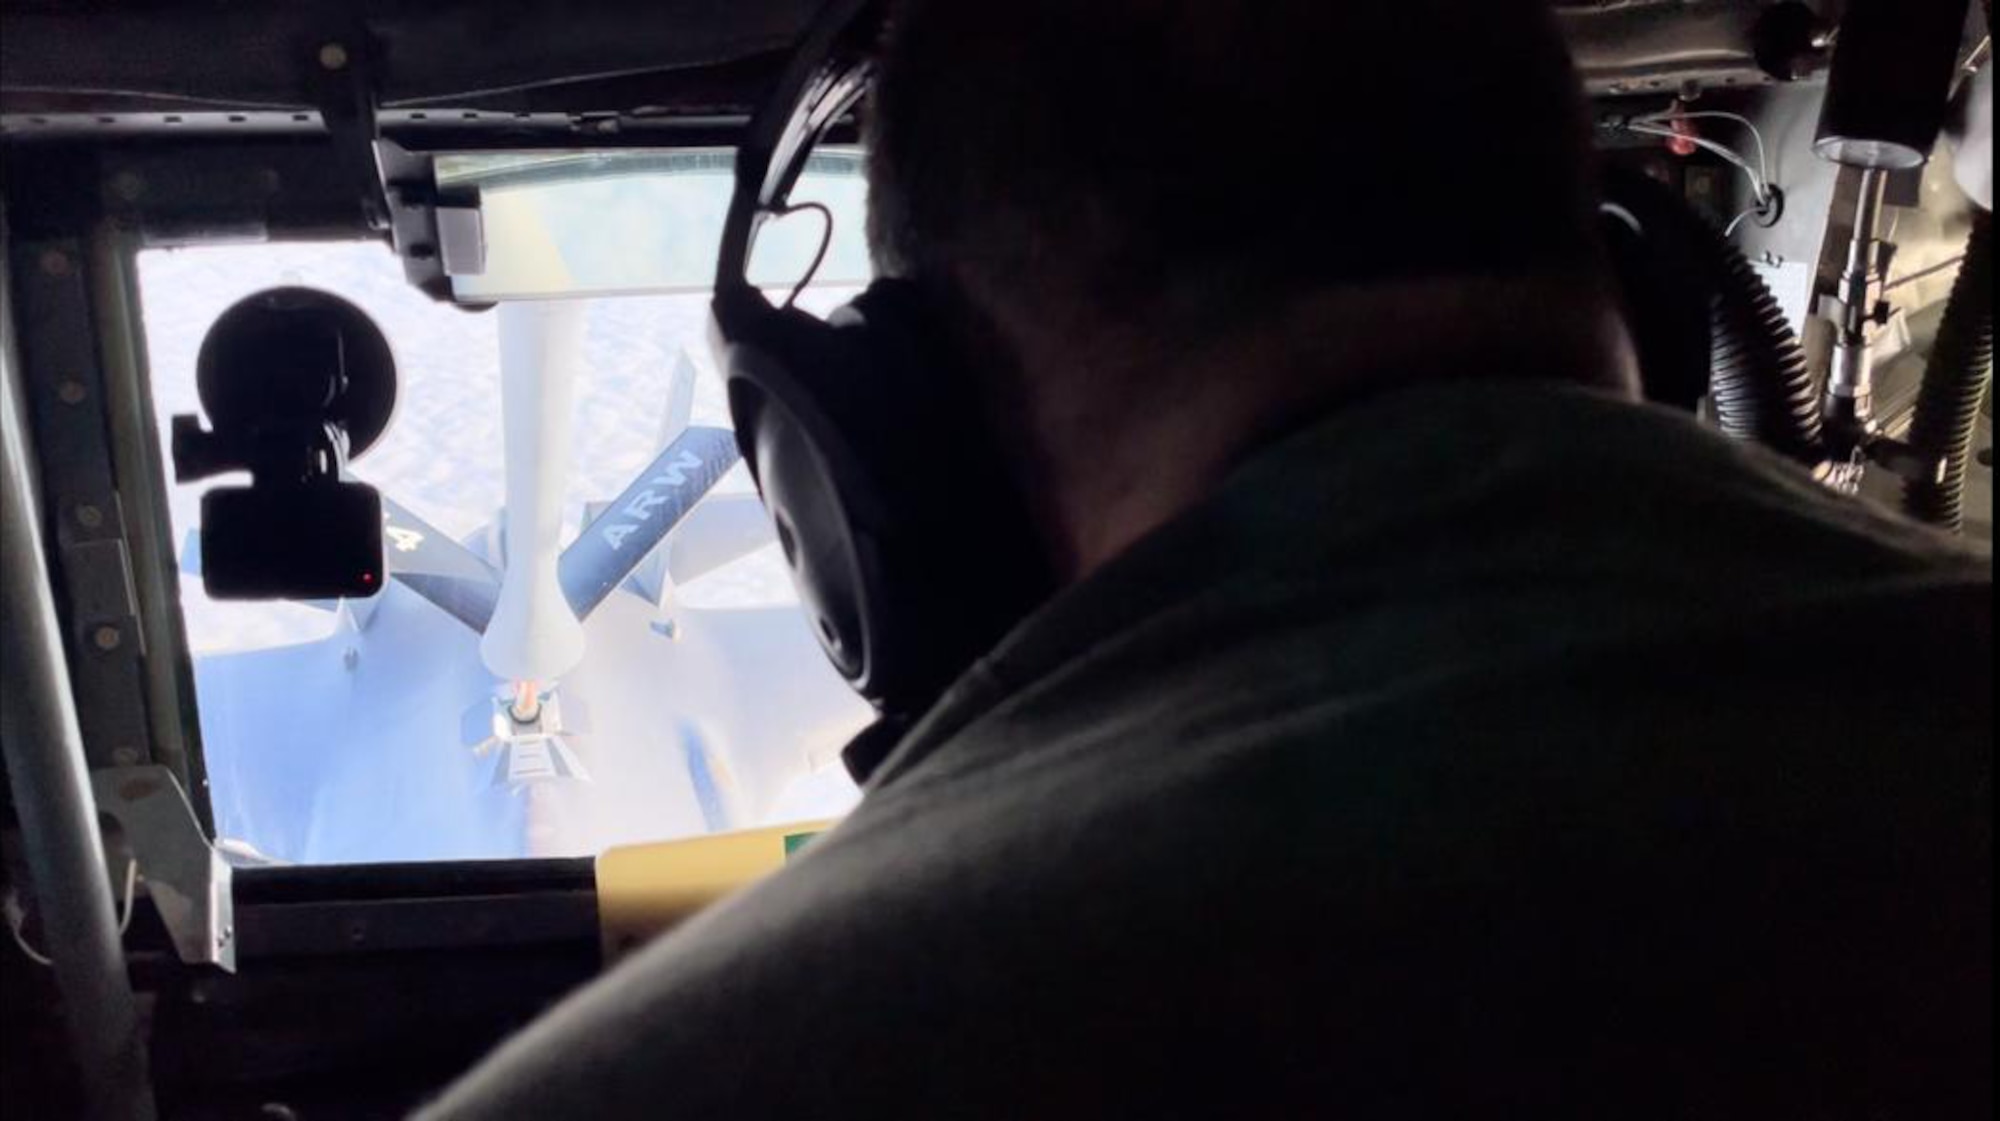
(643, 890)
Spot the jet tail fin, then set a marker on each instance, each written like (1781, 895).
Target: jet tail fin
(722, 530)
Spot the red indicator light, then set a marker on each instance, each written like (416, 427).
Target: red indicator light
(1683, 144)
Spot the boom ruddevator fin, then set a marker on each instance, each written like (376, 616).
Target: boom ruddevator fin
(617, 541)
(428, 562)
(420, 556)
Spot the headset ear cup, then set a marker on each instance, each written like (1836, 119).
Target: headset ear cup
(796, 459)
(959, 559)
(910, 544)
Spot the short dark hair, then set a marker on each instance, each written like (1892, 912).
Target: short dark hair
(1219, 153)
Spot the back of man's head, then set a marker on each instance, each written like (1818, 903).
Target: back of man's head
(1176, 227)
(1202, 157)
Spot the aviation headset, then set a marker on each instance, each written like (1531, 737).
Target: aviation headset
(911, 548)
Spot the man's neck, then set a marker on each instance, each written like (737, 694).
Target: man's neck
(1120, 453)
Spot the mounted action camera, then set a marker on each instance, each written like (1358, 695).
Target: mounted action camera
(295, 382)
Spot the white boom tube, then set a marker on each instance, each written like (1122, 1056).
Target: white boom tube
(534, 636)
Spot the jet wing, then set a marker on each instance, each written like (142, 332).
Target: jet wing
(627, 532)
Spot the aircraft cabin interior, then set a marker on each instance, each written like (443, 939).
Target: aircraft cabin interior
(395, 637)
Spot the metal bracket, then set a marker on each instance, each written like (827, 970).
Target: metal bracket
(435, 235)
(188, 880)
(66, 392)
(1905, 462)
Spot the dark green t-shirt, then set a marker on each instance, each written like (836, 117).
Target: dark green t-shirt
(1499, 749)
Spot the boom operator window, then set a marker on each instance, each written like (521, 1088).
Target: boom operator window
(364, 730)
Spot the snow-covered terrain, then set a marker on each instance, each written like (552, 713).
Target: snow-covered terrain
(331, 741)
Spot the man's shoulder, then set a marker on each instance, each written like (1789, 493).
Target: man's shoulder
(1664, 850)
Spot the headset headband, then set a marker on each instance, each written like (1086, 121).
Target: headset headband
(828, 73)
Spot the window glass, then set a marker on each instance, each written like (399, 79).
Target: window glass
(364, 730)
